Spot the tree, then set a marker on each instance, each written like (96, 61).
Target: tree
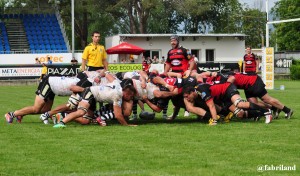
(287, 34)
(253, 25)
(225, 16)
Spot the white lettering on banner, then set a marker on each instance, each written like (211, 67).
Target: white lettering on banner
(62, 71)
(19, 72)
(209, 68)
(284, 63)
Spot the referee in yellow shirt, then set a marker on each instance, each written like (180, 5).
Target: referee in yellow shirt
(94, 55)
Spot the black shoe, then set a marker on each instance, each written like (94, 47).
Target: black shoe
(289, 114)
(276, 113)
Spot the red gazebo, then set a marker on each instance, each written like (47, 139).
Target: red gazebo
(125, 48)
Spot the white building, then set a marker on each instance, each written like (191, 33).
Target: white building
(207, 47)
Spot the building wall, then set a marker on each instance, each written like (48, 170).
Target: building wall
(226, 49)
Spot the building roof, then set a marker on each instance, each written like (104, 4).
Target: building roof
(183, 35)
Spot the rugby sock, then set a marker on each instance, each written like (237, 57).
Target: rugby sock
(165, 110)
(47, 115)
(256, 107)
(134, 108)
(207, 116)
(12, 114)
(273, 108)
(254, 114)
(224, 112)
(176, 111)
(61, 122)
(286, 109)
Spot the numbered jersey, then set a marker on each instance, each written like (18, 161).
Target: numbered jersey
(61, 85)
(109, 93)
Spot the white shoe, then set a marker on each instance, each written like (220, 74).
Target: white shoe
(170, 116)
(44, 118)
(186, 114)
(268, 116)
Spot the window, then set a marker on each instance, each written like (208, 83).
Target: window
(210, 55)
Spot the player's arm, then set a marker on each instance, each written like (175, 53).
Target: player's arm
(167, 68)
(127, 108)
(211, 105)
(208, 74)
(83, 65)
(173, 74)
(231, 79)
(257, 64)
(119, 116)
(192, 109)
(164, 94)
(76, 89)
(244, 64)
(143, 78)
(151, 105)
(105, 64)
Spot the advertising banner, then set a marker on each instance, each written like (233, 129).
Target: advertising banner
(124, 67)
(268, 67)
(218, 67)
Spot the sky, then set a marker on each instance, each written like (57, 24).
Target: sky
(252, 3)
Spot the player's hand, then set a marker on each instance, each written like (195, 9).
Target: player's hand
(214, 74)
(187, 73)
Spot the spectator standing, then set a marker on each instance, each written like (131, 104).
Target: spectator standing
(74, 61)
(162, 60)
(131, 58)
(250, 64)
(44, 71)
(177, 59)
(94, 55)
(49, 61)
(37, 61)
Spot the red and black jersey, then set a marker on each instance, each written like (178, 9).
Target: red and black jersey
(250, 63)
(219, 79)
(178, 60)
(216, 91)
(244, 81)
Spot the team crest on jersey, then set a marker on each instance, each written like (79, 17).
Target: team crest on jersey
(176, 62)
(201, 94)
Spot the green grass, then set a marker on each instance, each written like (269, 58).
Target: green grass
(184, 147)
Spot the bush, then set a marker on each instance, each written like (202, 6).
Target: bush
(295, 69)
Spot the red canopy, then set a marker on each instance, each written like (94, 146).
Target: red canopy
(125, 48)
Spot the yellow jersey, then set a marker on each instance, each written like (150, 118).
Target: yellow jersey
(94, 54)
(44, 70)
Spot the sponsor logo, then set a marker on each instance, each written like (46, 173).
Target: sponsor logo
(249, 62)
(63, 71)
(175, 62)
(7, 72)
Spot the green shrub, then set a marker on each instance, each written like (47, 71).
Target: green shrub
(295, 69)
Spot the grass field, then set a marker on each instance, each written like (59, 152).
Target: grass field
(184, 147)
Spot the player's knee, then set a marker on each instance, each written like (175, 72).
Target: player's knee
(240, 114)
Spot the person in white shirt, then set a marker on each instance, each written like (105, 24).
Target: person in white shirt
(45, 94)
(110, 93)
